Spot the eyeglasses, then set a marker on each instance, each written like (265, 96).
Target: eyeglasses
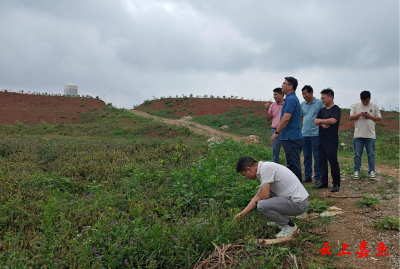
(284, 83)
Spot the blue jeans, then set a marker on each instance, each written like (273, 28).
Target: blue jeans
(310, 148)
(276, 147)
(358, 150)
(292, 152)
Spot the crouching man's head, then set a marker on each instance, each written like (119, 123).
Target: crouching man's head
(247, 167)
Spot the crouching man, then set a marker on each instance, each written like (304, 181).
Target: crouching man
(281, 194)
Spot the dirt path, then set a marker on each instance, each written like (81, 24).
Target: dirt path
(355, 225)
(195, 127)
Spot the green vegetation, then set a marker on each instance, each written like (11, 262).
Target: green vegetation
(387, 223)
(317, 206)
(247, 121)
(108, 193)
(121, 191)
(367, 201)
(241, 121)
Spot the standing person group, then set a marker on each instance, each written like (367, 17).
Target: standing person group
(318, 137)
(281, 193)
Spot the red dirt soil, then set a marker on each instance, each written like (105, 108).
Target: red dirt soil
(18, 107)
(216, 106)
(202, 106)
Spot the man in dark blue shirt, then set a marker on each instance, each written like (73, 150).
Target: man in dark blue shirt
(290, 127)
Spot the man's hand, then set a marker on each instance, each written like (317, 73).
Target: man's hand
(317, 122)
(267, 105)
(367, 115)
(238, 216)
(273, 137)
(325, 126)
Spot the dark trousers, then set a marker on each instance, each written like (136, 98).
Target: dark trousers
(292, 150)
(328, 153)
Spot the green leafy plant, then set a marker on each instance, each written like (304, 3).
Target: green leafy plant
(367, 201)
(387, 223)
(317, 206)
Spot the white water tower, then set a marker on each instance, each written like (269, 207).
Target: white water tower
(71, 89)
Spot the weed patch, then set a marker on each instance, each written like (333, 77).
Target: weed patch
(367, 201)
(387, 223)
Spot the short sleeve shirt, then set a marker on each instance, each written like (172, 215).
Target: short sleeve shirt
(309, 112)
(365, 128)
(275, 113)
(329, 136)
(284, 182)
(292, 131)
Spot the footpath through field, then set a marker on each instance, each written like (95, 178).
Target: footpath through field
(355, 224)
(193, 126)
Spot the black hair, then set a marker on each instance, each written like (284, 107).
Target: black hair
(278, 90)
(365, 95)
(293, 82)
(329, 92)
(308, 88)
(243, 163)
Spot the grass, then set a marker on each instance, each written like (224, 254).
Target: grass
(107, 193)
(121, 191)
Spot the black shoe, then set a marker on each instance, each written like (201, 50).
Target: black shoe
(308, 180)
(321, 185)
(335, 188)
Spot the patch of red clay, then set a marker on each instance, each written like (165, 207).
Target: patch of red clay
(216, 106)
(203, 106)
(18, 107)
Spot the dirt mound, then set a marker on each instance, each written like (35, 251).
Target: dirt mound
(17, 107)
(216, 106)
(201, 106)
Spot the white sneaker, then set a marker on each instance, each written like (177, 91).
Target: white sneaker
(286, 231)
(372, 174)
(356, 175)
(274, 224)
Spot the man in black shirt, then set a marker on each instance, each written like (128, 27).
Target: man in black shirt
(328, 119)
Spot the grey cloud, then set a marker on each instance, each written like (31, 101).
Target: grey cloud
(312, 33)
(143, 48)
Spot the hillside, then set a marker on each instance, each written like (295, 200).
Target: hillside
(178, 107)
(18, 107)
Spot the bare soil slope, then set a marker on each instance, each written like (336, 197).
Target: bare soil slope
(17, 107)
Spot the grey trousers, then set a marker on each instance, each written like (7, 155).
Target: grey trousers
(275, 209)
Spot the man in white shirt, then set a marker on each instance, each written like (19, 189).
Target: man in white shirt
(281, 194)
(365, 114)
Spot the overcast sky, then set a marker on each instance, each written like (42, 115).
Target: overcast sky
(127, 51)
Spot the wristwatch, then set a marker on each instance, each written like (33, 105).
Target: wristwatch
(276, 132)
